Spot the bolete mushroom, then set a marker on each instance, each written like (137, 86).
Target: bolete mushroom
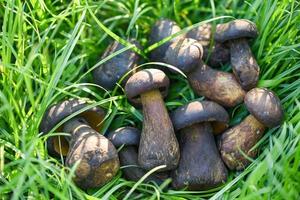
(244, 65)
(158, 144)
(160, 30)
(266, 111)
(219, 54)
(109, 73)
(200, 166)
(97, 157)
(184, 54)
(128, 139)
(219, 86)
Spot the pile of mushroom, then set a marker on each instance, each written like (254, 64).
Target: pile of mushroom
(194, 142)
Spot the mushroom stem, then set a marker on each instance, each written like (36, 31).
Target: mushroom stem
(243, 63)
(158, 144)
(97, 157)
(200, 166)
(218, 86)
(129, 157)
(241, 138)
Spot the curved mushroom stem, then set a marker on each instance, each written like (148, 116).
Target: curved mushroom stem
(158, 143)
(97, 157)
(200, 166)
(129, 157)
(218, 86)
(238, 141)
(244, 64)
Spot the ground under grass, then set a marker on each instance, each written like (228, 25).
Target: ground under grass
(48, 48)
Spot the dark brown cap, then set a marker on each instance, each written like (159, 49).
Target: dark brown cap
(184, 54)
(201, 33)
(57, 112)
(127, 136)
(144, 81)
(160, 30)
(197, 112)
(265, 106)
(239, 28)
(109, 73)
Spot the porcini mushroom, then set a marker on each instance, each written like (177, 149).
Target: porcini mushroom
(160, 30)
(219, 54)
(128, 139)
(109, 73)
(184, 54)
(158, 144)
(266, 111)
(97, 157)
(244, 65)
(200, 166)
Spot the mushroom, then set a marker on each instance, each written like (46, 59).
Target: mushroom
(109, 73)
(266, 111)
(160, 30)
(158, 144)
(200, 166)
(128, 139)
(97, 157)
(218, 86)
(184, 54)
(219, 54)
(244, 65)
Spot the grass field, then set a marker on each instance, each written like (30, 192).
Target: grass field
(48, 49)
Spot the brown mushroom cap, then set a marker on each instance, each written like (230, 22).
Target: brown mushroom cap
(160, 30)
(184, 54)
(127, 136)
(239, 28)
(265, 106)
(197, 112)
(201, 33)
(144, 81)
(109, 73)
(96, 156)
(57, 112)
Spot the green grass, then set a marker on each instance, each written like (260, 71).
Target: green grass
(48, 48)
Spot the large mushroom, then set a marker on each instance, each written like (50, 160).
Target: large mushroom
(266, 111)
(97, 157)
(200, 166)
(222, 87)
(128, 139)
(160, 30)
(109, 73)
(219, 54)
(236, 33)
(158, 144)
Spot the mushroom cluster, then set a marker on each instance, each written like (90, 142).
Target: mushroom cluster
(194, 143)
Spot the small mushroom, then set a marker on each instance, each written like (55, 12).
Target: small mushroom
(266, 111)
(244, 65)
(128, 139)
(218, 86)
(109, 73)
(218, 54)
(160, 30)
(200, 166)
(97, 157)
(158, 144)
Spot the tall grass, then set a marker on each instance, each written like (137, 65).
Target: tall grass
(49, 47)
